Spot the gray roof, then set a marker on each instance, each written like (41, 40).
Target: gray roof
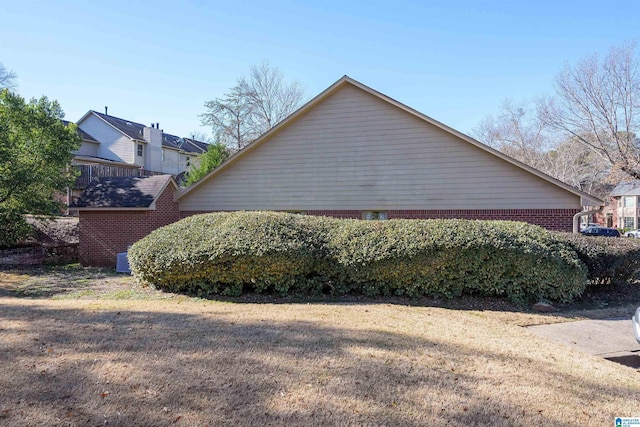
(131, 129)
(122, 192)
(84, 135)
(194, 146)
(185, 144)
(631, 188)
(136, 130)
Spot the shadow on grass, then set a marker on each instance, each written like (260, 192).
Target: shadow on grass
(630, 360)
(118, 367)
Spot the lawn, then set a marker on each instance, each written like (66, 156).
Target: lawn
(85, 347)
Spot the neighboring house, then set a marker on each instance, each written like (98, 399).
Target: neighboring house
(134, 144)
(626, 209)
(352, 152)
(112, 146)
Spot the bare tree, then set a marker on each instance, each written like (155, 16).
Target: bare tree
(579, 166)
(229, 117)
(597, 105)
(7, 78)
(518, 132)
(253, 106)
(271, 100)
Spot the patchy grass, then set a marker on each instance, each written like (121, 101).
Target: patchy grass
(108, 352)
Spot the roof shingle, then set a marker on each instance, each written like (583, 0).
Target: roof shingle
(122, 192)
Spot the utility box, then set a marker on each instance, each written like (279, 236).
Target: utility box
(122, 263)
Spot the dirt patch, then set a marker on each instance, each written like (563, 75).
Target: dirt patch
(52, 232)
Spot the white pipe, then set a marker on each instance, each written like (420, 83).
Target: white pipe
(576, 218)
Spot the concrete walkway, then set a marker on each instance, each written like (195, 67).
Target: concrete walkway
(611, 339)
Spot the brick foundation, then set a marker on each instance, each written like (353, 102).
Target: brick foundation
(551, 219)
(40, 254)
(103, 234)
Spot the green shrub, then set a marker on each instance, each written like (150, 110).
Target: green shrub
(231, 253)
(228, 253)
(608, 260)
(451, 257)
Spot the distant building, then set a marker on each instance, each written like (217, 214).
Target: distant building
(112, 146)
(626, 209)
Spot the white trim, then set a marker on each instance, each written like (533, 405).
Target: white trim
(99, 160)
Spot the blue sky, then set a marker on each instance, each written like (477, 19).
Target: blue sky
(160, 61)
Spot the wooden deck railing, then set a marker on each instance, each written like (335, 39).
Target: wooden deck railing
(88, 172)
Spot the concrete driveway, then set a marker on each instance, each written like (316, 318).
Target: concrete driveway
(611, 339)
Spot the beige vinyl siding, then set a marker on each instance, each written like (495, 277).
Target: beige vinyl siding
(88, 149)
(171, 163)
(355, 151)
(113, 144)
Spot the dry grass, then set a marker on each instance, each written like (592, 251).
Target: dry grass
(171, 360)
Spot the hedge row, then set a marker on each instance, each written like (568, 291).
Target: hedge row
(608, 260)
(232, 253)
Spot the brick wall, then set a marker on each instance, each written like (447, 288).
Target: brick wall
(39, 254)
(103, 234)
(551, 219)
(22, 256)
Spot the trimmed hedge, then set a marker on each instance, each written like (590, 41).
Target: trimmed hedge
(608, 260)
(232, 253)
(228, 253)
(451, 257)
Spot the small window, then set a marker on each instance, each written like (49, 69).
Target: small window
(140, 150)
(188, 161)
(628, 222)
(374, 215)
(629, 201)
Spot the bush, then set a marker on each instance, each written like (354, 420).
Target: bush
(231, 253)
(451, 257)
(226, 253)
(608, 260)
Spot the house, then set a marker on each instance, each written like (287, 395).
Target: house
(352, 152)
(625, 206)
(112, 146)
(122, 141)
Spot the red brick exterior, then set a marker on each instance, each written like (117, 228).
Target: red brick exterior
(551, 219)
(103, 234)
